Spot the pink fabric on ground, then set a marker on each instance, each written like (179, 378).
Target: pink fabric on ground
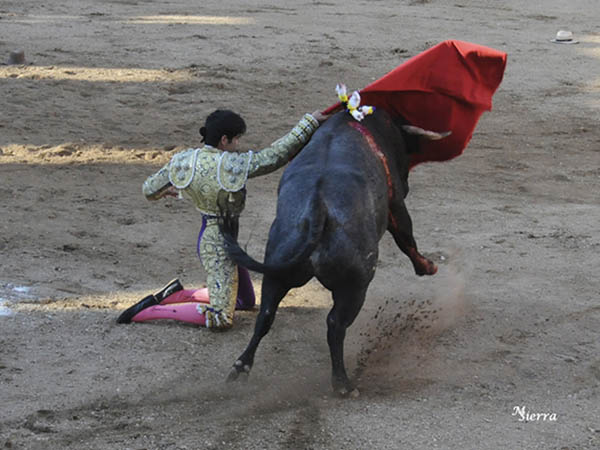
(184, 312)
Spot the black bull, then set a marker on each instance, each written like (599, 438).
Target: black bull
(336, 200)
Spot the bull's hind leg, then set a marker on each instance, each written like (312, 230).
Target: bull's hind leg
(400, 225)
(273, 291)
(346, 305)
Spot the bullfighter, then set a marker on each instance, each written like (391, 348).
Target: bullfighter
(213, 178)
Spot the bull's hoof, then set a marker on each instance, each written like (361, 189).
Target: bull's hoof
(348, 392)
(426, 267)
(344, 388)
(239, 372)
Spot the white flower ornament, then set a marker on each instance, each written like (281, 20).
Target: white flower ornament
(342, 93)
(353, 103)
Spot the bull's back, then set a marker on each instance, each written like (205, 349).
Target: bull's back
(338, 167)
(341, 160)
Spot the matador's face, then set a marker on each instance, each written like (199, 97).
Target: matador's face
(229, 145)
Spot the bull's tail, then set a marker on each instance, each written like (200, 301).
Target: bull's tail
(313, 225)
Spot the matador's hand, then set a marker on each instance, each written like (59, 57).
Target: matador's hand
(170, 192)
(320, 116)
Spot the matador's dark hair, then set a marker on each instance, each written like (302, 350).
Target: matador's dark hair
(222, 122)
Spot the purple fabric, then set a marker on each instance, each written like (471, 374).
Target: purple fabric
(200, 236)
(245, 294)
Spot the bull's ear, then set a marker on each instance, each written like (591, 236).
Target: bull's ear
(427, 134)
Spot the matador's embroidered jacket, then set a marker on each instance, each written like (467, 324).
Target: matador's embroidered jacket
(204, 175)
(200, 174)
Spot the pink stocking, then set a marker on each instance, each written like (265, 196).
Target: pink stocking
(181, 305)
(187, 295)
(245, 298)
(184, 312)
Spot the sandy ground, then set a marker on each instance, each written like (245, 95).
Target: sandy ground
(111, 89)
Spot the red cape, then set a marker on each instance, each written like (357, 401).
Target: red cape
(445, 88)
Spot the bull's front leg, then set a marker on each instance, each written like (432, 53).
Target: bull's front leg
(400, 225)
(273, 292)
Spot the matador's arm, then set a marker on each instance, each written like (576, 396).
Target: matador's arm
(158, 184)
(283, 149)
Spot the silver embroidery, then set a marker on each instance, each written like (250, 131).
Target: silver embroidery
(181, 169)
(229, 166)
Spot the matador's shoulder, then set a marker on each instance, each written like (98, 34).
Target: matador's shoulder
(232, 170)
(182, 167)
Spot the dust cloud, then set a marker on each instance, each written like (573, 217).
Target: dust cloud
(399, 337)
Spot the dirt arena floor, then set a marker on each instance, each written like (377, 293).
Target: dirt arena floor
(499, 350)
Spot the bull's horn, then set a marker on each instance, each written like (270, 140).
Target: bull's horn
(427, 134)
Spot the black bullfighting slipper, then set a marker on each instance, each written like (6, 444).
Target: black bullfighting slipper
(170, 288)
(130, 312)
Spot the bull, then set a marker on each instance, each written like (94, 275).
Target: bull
(336, 199)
